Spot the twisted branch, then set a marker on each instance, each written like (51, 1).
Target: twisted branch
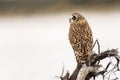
(93, 72)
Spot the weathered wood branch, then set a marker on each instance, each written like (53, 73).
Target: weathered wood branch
(93, 66)
(103, 55)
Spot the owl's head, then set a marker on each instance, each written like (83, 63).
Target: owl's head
(76, 17)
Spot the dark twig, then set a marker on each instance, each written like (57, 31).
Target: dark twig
(107, 65)
(62, 70)
(96, 41)
(118, 62)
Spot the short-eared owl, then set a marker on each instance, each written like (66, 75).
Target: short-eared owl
(80, 36)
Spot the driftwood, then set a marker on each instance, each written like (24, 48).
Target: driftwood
(93, 66)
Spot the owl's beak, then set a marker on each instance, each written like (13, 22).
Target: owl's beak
(70, 20)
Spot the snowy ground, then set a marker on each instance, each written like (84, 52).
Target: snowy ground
(35, 47)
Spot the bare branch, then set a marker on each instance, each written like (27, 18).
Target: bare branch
(75, 73)
(103, 55)
(93, 67)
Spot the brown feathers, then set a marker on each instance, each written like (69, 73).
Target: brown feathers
(80, 36)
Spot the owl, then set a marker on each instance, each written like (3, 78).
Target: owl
(80, 37)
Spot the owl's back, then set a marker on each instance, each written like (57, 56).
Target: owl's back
(80, 36)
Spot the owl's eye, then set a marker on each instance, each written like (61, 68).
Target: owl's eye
(74, 17)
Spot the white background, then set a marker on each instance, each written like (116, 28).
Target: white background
(35, 47)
